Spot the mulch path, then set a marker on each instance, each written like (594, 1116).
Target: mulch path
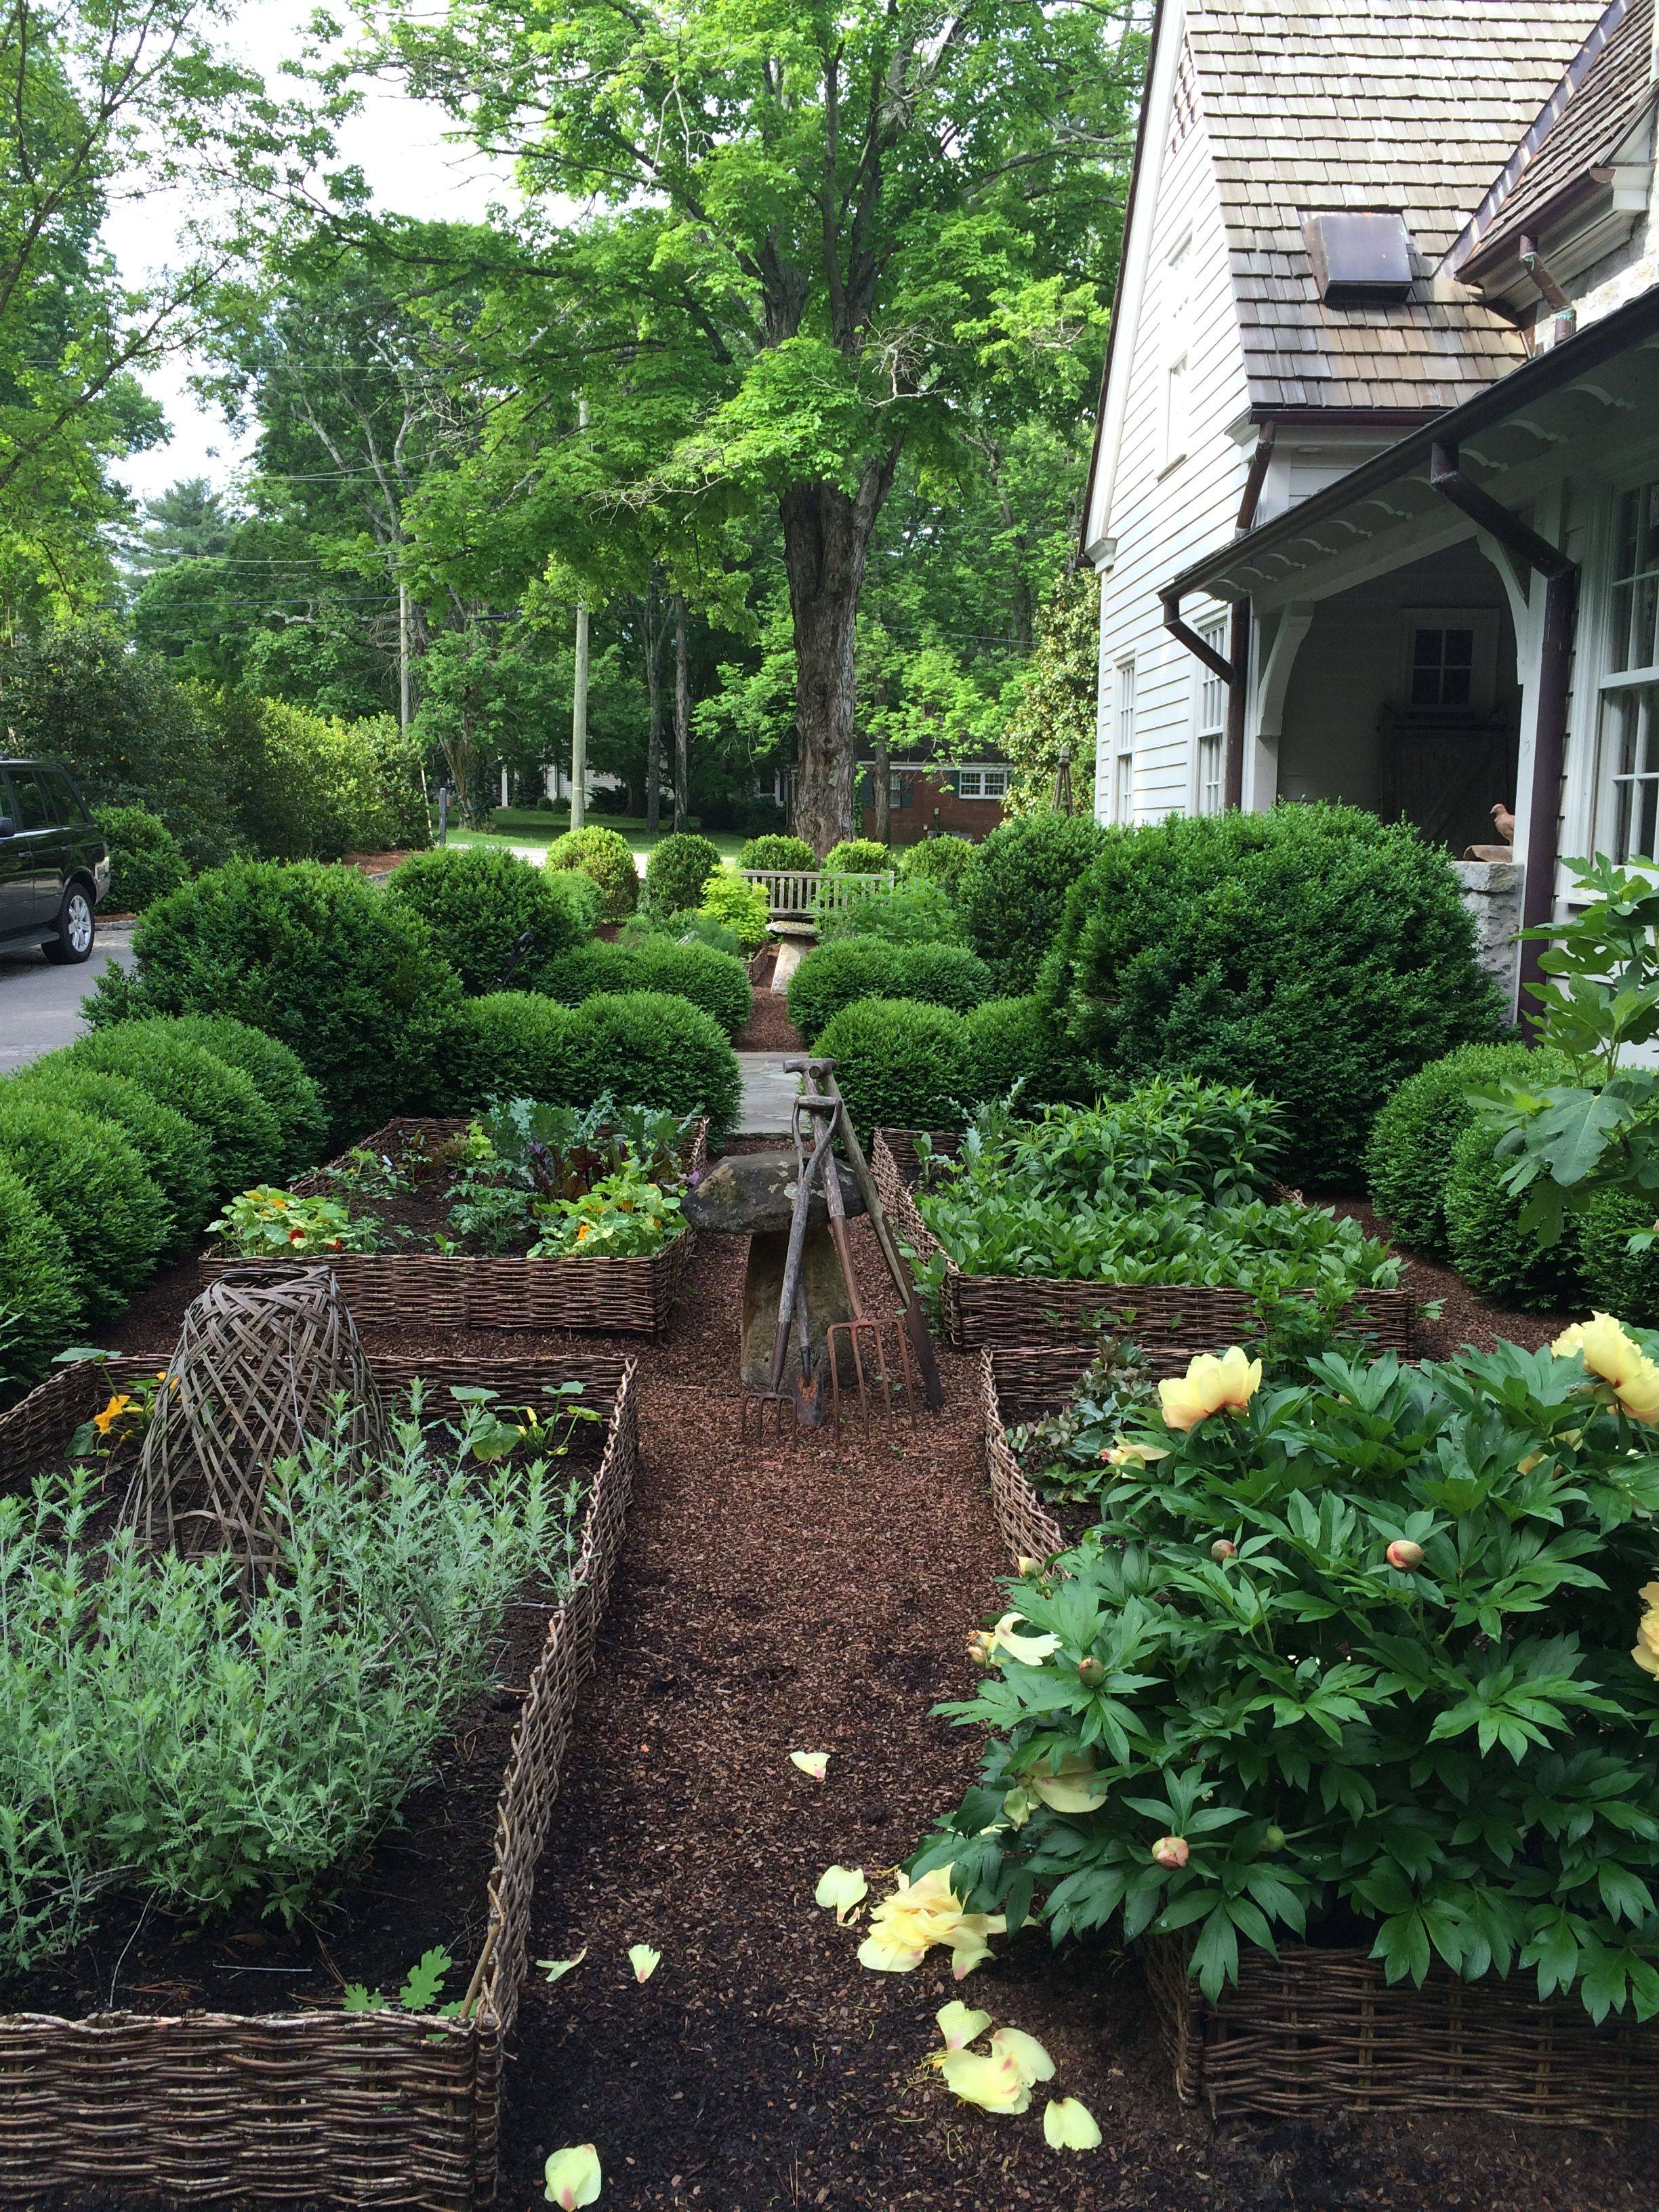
(815, 1597)
(1464, 1319)
(768, 1028)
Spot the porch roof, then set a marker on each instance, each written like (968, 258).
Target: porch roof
(1606, 375)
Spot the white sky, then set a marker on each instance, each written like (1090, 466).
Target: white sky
(399, 144)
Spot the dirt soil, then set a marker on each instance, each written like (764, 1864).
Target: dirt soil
(768, 1028)
(807, 1597)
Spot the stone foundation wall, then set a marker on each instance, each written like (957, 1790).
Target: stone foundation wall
(1491, 892)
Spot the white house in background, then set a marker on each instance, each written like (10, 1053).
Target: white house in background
(1375, 494)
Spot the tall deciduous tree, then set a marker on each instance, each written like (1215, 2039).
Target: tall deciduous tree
(887, 225)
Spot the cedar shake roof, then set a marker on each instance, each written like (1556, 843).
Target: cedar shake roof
(1591, 109)
(1314, 106)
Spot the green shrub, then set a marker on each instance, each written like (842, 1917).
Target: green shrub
(1012, 1041)
(774, 851)
(176, 1154)
(1409, 1157)
(1612, 1278)
(146, 859)
(91, 1182)
(1494, 1255)
(901, 1065)
(316, 787)
(477, 902)
(838, 975)
(607, 859)
(740, 907)
(649, 1050)
(917, 912)
(1315, 951)
(243, 1135)
(522, 1046)
(40, 1302)
(944, 859)
(677, 870)
(716, 981)
(1012, 894)
(856, 856)
(316, 957)
(276, 1075)
(1452, 1755)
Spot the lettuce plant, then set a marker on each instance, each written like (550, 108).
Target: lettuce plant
(1370, 1658)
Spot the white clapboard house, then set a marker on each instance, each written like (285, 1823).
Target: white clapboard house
(1375, 493)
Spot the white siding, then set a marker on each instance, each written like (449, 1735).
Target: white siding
(1161, 518)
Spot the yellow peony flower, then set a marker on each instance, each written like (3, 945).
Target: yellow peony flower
(905, 1926)
(1209, 1386)
(1071, 1787)
(1646, 1654)
(1123, 1455)
(1611, 1352)
(1030, 1650)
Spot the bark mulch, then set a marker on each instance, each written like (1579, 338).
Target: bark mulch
(1464, 1318)
(810, 1597)
(768, 1028)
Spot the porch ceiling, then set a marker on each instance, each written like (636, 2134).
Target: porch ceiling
(1590, 402)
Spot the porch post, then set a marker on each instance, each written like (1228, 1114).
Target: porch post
(1239, 653)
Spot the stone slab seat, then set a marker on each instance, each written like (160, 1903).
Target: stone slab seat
(753, 1195)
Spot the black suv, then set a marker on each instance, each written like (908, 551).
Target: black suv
(54, 866)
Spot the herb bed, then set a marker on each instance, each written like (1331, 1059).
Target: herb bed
(352, 2108)
(440, 1290)
(984, 1310)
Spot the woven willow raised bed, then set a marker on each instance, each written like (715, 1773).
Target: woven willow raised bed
(1031, 1310)
(441, 1290)
(346, 2108)
(1320, 2030)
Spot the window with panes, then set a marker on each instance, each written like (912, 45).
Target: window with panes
(1123, 741)
(1629, 829)
(1211, 746)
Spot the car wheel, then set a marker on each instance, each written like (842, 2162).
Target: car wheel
(75, 928)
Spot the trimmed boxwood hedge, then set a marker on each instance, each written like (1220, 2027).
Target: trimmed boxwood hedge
(900, 1064)
(606, 859)
(1408, 1160)
(91, 1179)
(717, 982)
(243, 1132)
(523, 1043)
(1495, 1256)
(41, 1302)
(176, 1154)
(944, 859)
(1612, 1278)
(477, 902)
(857, 856)
(856, 968)
(1009, 1040)
(276, 1075)
(775, 852)
(648, 1048)
(676, 870)
(146, 860)
(1013, 893)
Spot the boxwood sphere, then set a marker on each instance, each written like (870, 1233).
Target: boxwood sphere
(856, 968)
(243, 1133)
(717, 982)
(523, 1047)
(277, 1075)
(41, 1307)
(1496, 1257)
(677, 870)
(900, 1065)
(91, 1179)
(477, 902)
(176, 1154)
(1012, 894)
(1409, 1157)
(606, 857)
(648, 1048)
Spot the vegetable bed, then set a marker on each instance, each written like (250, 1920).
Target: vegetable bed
(395, 2100)
(409, 1289)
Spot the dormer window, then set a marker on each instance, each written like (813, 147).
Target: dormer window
(1359, 260)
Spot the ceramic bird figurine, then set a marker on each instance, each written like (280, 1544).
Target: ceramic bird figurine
(1503, 821)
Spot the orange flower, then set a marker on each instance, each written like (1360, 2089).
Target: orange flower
(105, 1421)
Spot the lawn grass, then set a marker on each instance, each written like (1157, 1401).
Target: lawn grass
(514, 825)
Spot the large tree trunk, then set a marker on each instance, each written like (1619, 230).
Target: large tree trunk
(682, 719)
(654, 626)
(826, 539)
(881, 785)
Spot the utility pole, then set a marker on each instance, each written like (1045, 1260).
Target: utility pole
(403, 656)
(579, 705)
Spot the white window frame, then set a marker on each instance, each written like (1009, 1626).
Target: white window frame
(1622, 795)
(1176, 343)
(1123, 740)
(1209, 751)
(987, 781)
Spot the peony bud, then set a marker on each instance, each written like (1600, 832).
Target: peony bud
(1170, 1851)
(1222, 1549)
(1405, 1555)
(1091, 1672)
(1272, 1839)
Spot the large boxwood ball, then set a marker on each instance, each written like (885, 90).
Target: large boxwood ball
(1012, 893)
(606, 857)
(92, 1181)
(244, 1136)
(1409, 1159)
(478, 904)
(176, 1153)
(42, 1305)
(900, 1065)
(677, 870)
(647, 1048)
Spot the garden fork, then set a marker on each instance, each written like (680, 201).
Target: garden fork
(767, 1413)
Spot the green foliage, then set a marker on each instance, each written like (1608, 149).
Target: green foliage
(740, 907)
(477, 901)
(647, 1048)
(856, 856)
(716, 981)
(624, 1215)
(276, 1073)
(1488, 1242)
(176, 1155)
(91, 1182)
(677, 870)
(1613, 1276)
(1058, 702)
(1012, 895)
(1454, 1753)
(774, 851)
(918, 911)
(942, 860)
(521, 1045)
(607, 857)
(527, 1163)
(900, 1064)
(266, 1223)
(319, 958)
(1410, 1155)
(838, 975)
(207, 1750)
(42, 1294)
(146, 861)
(1011, 1040)
(1316, 950)
(243, 1133)
(321, 787)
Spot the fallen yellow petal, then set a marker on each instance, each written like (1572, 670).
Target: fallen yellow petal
(1069, 2125)
(1030, 2059)
(959, 2025)
(574, 2177)
(840, 1889)
(556, 1969)
(811, 1762)
(991, 2083)
(644, 1960)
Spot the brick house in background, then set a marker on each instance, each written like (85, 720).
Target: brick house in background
(928, 798)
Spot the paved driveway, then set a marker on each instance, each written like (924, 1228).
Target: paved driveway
(40, 1005)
